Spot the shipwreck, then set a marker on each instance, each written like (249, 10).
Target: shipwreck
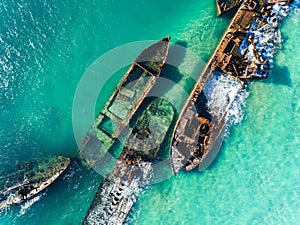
(30, 179)
(124, 102)
(246, 53)
(133, 170)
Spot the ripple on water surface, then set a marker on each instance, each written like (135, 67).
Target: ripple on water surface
(46, 46)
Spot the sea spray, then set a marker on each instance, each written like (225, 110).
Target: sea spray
(103, 209)
(27, 204)
(235, 109)
(225, 95)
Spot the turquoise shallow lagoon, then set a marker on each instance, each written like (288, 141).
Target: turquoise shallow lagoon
(45, 48)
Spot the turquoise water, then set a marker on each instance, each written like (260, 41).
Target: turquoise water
(46, 46)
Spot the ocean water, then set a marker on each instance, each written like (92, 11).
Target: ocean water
(46, 47)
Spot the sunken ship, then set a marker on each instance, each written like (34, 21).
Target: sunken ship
(124, 102)
(224, 6)
(245, 53)
(133, 170)
(30, 179)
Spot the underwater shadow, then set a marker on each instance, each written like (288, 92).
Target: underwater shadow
(177, 53)
(182, 68)
(231, 13)
(281, 76)
(169, 78)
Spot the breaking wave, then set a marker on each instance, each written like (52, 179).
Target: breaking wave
(225, 95)
(27, 204)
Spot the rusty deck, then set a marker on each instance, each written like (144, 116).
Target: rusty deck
(241, 54)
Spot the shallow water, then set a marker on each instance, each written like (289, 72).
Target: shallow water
(47, 47)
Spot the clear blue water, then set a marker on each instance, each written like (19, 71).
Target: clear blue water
(46, 46)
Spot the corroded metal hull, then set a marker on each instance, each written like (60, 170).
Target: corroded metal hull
(133, 170)
(226, 5)
(246, 53)
(129, 94)
(30, 179)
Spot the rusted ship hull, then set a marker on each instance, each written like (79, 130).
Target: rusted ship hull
(226, 5)
(124, 102)
(133, 170)
(246, 53)
(32, 178)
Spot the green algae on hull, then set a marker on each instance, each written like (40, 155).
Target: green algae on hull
(128, 96)
(133, 170)
(30, 179)
(149, 131)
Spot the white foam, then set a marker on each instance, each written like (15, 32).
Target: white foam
(27, 204)
(130, 193)
(219, 90)
(225, 95)
(235, 109)
(263, 39)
